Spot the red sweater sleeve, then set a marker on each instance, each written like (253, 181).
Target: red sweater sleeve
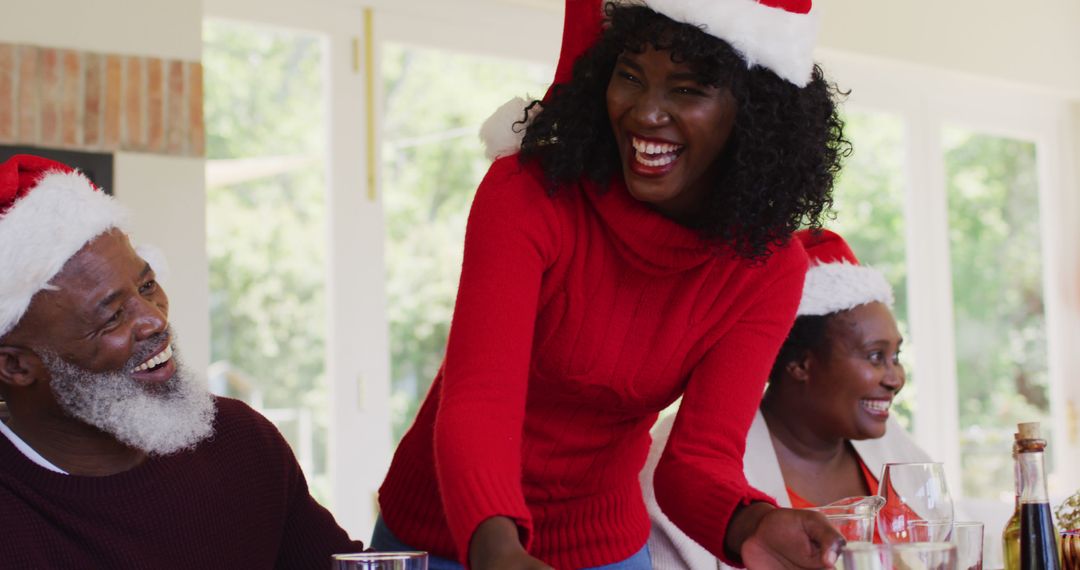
(699, 480)
(510, 239)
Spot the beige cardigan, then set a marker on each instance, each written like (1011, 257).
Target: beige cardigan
(671, 549)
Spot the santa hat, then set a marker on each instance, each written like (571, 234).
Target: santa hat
(835, 281)
(778, 35)
(48, 212)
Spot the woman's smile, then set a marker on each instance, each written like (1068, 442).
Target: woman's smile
(653, 157)
(670, 128)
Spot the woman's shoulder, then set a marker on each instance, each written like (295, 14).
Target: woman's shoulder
(517, 190)
(511, 174)
(783, 265)
(789, 254)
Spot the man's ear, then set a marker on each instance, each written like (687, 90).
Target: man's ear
(798, 369)
(19, 367)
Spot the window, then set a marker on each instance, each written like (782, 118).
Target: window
(869, 207)
(294, 236)
(432, 161)
(266, 229)
(999, 311)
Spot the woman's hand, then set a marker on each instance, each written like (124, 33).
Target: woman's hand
(783, 539)
(495, 546)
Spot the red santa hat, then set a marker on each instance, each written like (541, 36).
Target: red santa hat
(778, 35)
(835, 281)
(48, 212)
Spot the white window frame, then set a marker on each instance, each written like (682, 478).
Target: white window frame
(357, 345)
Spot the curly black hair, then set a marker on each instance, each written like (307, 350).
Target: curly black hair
(778, 167)
(809, 333)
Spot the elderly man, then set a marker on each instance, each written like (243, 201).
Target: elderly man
(114, 455)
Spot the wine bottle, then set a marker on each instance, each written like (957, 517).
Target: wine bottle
(1010, 537)
(1038, 537)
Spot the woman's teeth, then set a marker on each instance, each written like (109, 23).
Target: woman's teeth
(654, 153)
(878, 406)
(157, 360)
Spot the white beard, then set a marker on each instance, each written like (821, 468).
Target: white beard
(156, 420)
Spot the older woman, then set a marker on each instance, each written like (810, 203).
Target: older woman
(824, 429)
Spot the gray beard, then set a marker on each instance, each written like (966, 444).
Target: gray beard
(158, 420)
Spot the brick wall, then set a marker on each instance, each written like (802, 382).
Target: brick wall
(62, 98)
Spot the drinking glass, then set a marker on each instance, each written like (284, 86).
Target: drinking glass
(865, 556)
(924, 556)
(928, 531)
(380, 561)
(1070, 550)
(853, 517)
(968, 538)
(912, 492)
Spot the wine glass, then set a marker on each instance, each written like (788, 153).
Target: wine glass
(912, 492)
(380, 561)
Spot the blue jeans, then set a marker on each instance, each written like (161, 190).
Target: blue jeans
(385, 541)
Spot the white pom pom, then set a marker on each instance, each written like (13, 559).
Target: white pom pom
(501, 133)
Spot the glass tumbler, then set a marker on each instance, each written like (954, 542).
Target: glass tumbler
(924, 556)
(380, 561)
(968, 538)
(865, 556)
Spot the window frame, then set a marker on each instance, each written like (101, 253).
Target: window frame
(357, 362)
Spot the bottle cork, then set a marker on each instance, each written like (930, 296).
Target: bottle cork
(1029, 430)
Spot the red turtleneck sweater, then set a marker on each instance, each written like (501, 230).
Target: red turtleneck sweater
(578, 318)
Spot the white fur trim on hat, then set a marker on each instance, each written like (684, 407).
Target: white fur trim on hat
(773, 38)
(834, 287)
(42, 230)
(502, 132)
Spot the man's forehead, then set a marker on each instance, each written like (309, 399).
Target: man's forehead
(99, 257)
(95, 274)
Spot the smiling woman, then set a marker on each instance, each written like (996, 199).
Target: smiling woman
(758, 150)
(636, 251)
(824, 428)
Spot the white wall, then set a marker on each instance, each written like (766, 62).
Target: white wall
(166, 194)
(1035, 43)
(161, 28)
(168, 200)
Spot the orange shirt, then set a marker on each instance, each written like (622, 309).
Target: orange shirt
(798, 502)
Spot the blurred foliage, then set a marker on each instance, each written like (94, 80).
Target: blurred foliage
(1000, 321)
(868, 211)
(1068, 513)
(266, 237)
(432, 161)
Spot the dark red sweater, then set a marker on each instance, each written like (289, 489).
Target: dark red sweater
(239, 500)
(578, 318)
